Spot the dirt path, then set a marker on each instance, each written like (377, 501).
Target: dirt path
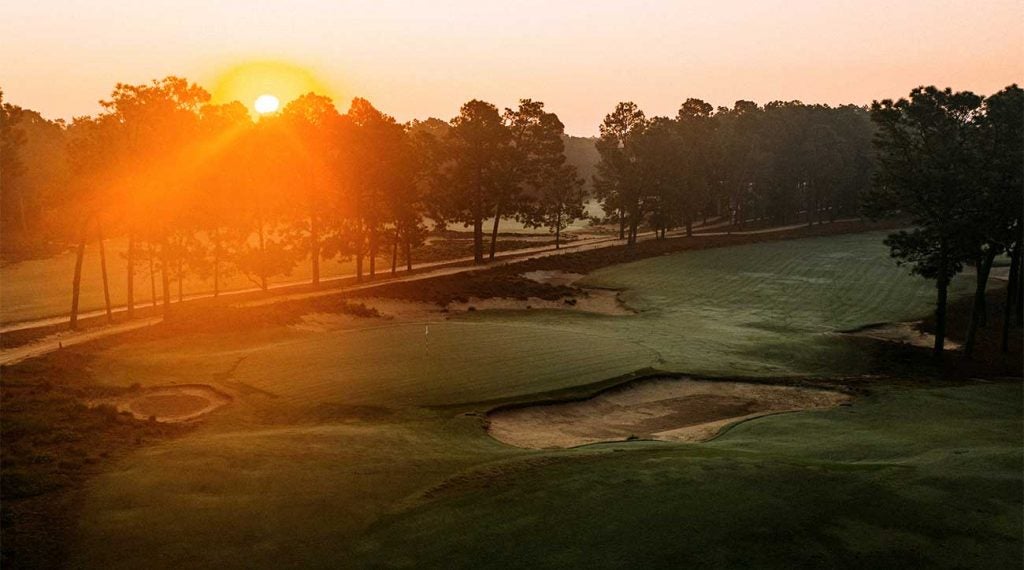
(68, 338)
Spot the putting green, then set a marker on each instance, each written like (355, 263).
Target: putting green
(393, 365)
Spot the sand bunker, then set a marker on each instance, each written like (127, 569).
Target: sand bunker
(389, 309)
(680, 410)
(601, 301)
(904, 333)
(553, 277)
(170, 404)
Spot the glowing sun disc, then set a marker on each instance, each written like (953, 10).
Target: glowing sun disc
(266, 103)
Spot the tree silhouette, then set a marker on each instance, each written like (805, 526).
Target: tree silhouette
(554, 191)
(309, 124)
(1000, 202)
(928, 165)
(620, 182)
(156, 124)
(477, 148)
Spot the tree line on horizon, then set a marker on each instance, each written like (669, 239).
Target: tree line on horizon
(203, 189)
(199, 188)
(783, 162)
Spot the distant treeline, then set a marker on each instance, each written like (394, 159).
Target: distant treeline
(784, 162)
(198, 188)
(203, 189)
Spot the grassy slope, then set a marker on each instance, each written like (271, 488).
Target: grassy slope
(922, 478)
(761, 309)
(749, 310)
(332, 437)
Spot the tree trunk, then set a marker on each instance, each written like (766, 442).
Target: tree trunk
(314, 248)
(1011, 290)
(130, 285)
(165, 279)
(22, 217)
(394, 252)
(494, 230)
(373, 251)
(216, 262)
(263, 255)
(152, 274)
(181, 278)
(408, 253)
(103, 271)
(622, 224)
(810, 211)
(478, 240)
(360, 254)
(942, 284)
(76, 282)
(558, 229)
(982, 267)
(634, 223)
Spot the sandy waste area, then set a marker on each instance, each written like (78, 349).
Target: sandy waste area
(680, 410)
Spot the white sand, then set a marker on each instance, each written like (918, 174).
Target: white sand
(679, 410)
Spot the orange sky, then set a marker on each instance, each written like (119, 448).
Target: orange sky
(419, 59)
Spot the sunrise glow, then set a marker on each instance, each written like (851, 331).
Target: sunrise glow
(266, 104)
(266, 86)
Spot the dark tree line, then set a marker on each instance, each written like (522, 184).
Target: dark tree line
(784, 162)
(952, 162)
(203, 189)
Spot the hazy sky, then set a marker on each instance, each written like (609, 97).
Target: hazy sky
(419, 59)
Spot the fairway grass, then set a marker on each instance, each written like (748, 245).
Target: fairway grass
(911, 478)
(363, 444)
(905, 479)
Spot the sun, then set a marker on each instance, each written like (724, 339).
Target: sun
(265, 86)
(266, 103)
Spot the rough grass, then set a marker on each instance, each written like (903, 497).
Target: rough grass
(51, 443)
